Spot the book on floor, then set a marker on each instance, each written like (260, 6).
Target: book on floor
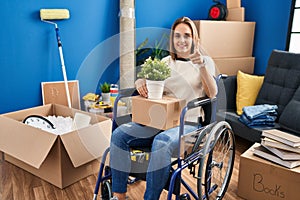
(284, 155)
(266, 154)
(281, 136)
(273, 143)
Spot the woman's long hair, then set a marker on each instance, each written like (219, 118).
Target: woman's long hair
(195, 37)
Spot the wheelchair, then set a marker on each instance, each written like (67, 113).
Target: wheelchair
(208, 154)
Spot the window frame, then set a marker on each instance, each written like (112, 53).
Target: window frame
(290, 32)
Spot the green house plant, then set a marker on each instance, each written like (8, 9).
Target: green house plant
(105, 87)
(155, 71)
(105, 91)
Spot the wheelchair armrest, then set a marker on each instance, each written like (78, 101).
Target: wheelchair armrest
(201, 101)
(127, 92)
(208, 105)
(123, 93)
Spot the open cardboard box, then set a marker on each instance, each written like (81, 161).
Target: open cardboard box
(262, 179)
(161, 114)
(58, 159)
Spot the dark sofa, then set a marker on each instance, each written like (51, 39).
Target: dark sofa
(281, 87)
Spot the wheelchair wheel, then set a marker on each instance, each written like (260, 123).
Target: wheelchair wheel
(217, 164)
(106, 190)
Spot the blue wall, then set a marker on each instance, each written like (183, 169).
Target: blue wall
(29, 52)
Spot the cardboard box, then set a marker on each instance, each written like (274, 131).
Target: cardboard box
(233, 3)
(230, 66)
(58, 159)
(161, 114)
(55, 93)
(236, 14)
(261, 179)
(226, 39)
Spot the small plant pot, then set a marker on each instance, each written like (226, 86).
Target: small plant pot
(106, 97)
(155, 89)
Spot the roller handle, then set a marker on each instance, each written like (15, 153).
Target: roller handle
(58, 37)
(63, 65)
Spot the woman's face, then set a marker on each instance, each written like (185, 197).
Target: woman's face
(183, 40)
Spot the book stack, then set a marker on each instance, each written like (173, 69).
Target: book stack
(279, 147)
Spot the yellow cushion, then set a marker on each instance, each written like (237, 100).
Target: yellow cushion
(248, 87)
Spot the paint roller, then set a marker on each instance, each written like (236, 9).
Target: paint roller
(48, 15)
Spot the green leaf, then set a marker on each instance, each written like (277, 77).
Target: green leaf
(154, 69)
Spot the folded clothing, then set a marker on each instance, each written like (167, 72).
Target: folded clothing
(255, 111)
(259, 115)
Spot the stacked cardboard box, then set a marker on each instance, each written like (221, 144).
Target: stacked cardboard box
(235, 11)
(230, 42)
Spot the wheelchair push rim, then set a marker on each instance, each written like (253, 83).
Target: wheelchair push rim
(216, 166)
(106, 190)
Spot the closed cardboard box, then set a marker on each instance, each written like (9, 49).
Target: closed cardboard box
(226, 39)
(58, 159)
(236, 14)
(231, 66)
(161, 114)
(233, 3)
(260, 179)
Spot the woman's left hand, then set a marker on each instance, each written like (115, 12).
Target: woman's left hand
(141, 87)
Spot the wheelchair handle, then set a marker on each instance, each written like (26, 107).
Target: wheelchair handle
(201, 101)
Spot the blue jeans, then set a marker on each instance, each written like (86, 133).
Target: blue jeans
(164, 147)
(258, 110)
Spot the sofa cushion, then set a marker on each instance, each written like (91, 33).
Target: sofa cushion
(248, 87)
(282, 78)
(290, 117)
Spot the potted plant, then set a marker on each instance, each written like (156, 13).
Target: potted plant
(155, 71)
(105, 92)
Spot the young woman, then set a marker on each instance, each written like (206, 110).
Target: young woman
(192, 76)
